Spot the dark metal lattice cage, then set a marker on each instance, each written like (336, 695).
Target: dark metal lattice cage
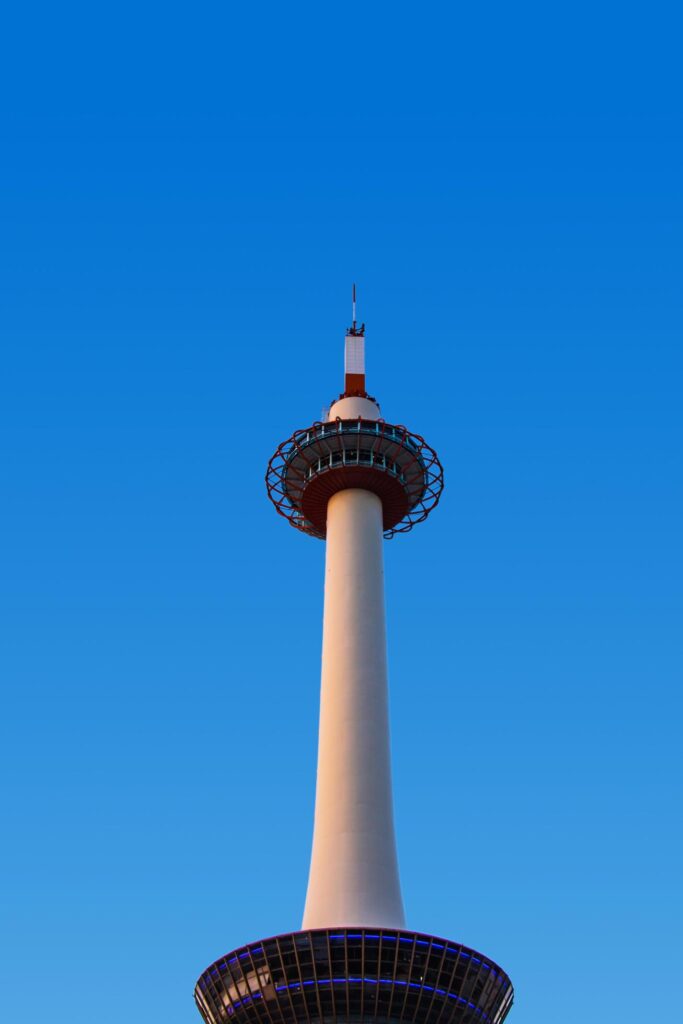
(313, 464)
(354, 975)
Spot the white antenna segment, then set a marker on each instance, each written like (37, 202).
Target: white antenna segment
(354, 354)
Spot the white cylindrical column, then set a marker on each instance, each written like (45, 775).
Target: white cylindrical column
(354, 869)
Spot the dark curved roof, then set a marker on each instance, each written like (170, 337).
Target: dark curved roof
(354, 975)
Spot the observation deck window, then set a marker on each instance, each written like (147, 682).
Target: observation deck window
(353, 456)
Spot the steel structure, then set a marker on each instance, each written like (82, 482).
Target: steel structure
(354, 480)
(351, 975)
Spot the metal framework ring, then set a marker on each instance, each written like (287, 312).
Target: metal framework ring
(389, 460)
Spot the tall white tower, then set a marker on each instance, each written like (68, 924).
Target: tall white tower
(354, 479)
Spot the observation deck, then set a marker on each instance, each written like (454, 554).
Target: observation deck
(395, 464)
(349, 976)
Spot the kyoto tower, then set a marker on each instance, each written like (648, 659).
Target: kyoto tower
(352, 480)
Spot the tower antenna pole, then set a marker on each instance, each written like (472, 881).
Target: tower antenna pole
(353, 305)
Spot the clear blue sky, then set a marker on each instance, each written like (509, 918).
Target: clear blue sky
(187, 193)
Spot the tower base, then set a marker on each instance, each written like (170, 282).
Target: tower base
(341, 975)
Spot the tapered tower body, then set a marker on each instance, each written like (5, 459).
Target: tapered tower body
(354, 480)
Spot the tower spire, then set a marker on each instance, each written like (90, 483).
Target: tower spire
(354, 354)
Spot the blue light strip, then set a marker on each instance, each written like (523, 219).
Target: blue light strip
(422, 942)
(243, 956)
(385, 981)
(216, 971)
(245, 999)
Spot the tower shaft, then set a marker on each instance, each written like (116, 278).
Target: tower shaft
(354, 870)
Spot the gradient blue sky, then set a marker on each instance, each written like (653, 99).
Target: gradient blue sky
(187, 192)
